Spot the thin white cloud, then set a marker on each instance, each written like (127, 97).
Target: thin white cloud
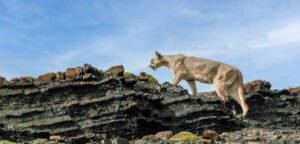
(189, 12)
(289, 33)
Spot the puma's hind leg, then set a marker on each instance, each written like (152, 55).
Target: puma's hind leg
(220, 89)
(238, 95)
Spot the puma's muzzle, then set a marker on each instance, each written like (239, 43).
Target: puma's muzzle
(153, 67)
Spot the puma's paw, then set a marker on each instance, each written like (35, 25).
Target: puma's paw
(241, 117)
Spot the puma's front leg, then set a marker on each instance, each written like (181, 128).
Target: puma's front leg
(192, 84)
(177, 78)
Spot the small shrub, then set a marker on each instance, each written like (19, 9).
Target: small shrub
(6, 142)
(184, 137)
(128, 75)
(152, 80)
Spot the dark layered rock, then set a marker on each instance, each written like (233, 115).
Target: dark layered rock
(73, 73)
(108, 108)
(88, 109)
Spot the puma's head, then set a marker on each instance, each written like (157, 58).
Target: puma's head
(156, 61)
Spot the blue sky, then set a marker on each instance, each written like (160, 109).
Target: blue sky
(261, 37)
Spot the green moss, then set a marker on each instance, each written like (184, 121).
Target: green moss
(39, 141)
(152, 80)
(128, 75)
(184, 137)
(6, 142)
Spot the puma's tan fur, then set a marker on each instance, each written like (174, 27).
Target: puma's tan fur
(228, 80)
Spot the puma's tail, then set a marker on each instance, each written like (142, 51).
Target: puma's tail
(243, 103)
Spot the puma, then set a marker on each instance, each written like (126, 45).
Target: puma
(227, 80)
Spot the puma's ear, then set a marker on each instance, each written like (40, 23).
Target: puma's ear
(158, 54)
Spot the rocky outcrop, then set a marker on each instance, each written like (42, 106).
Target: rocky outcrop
(257, 86)
(115, 71)
(79, 110)
(22, 80)
(47, 77)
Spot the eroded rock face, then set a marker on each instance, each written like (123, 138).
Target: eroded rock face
(114, 106)
(92, 110)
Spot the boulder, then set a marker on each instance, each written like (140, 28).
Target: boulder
(211, 134)
(3, 80)
(257, 86)
(47, 77)
(72, 73)
(115, 71)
